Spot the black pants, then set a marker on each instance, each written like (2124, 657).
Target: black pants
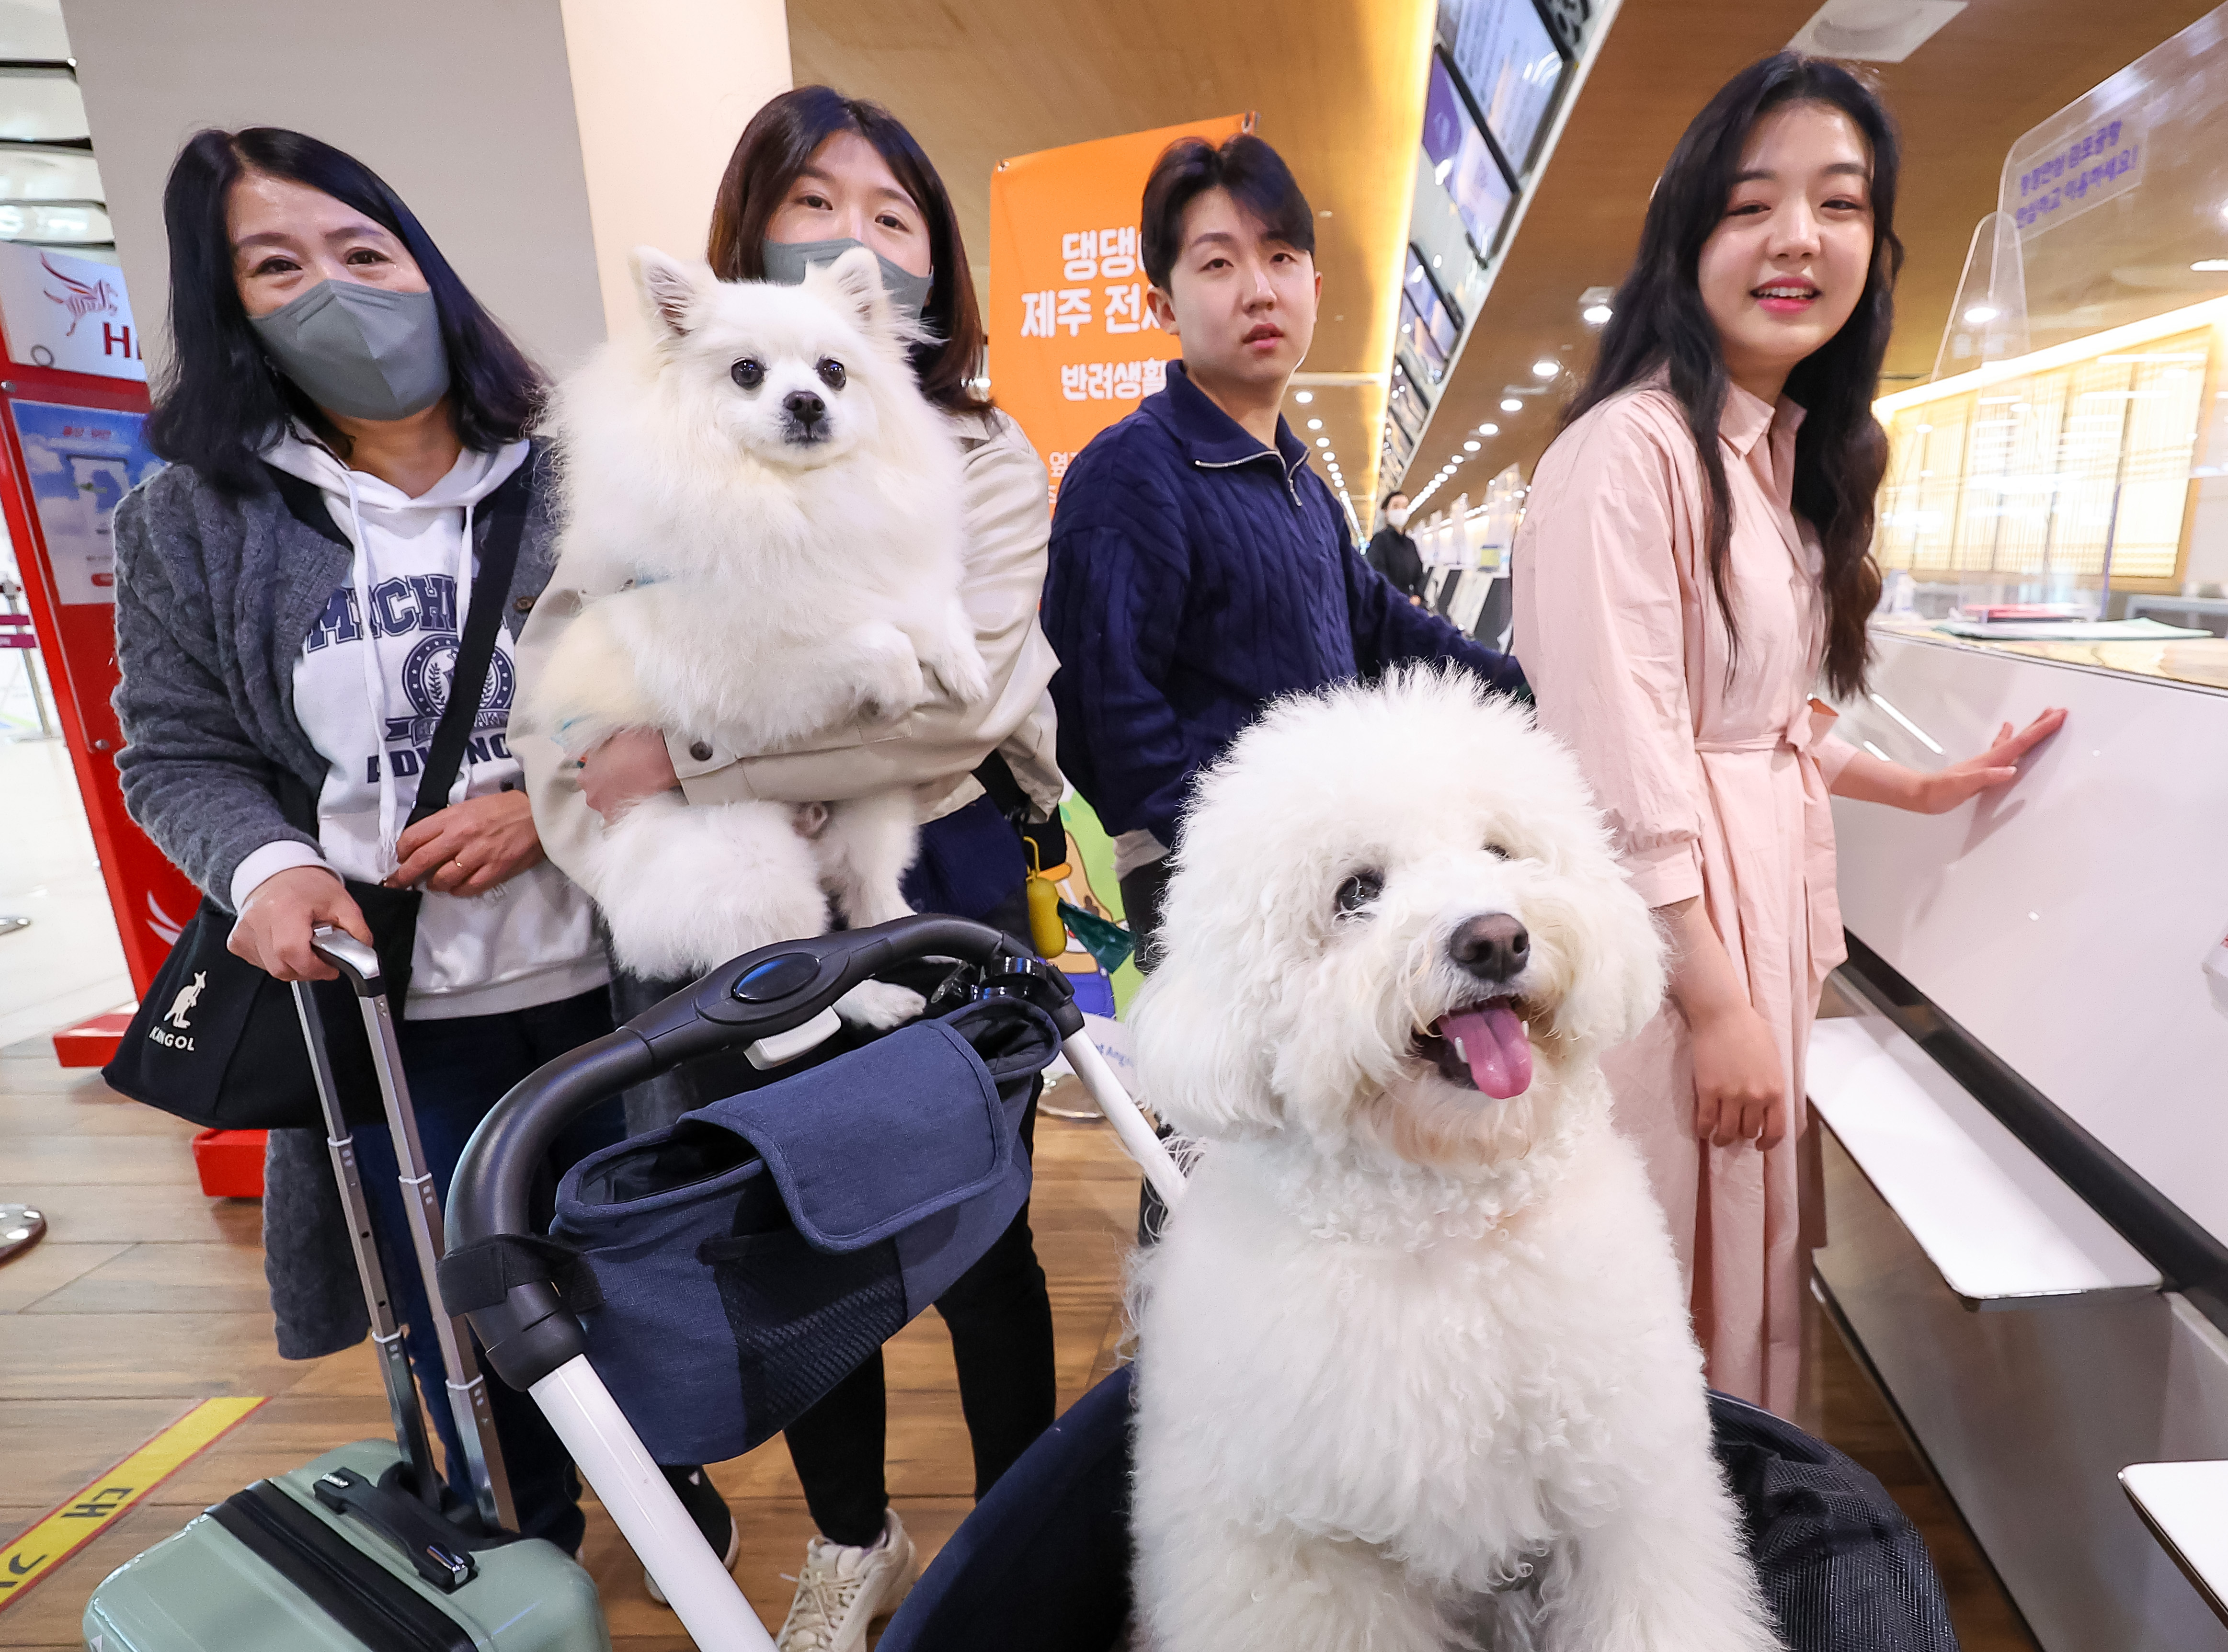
(1000, 1318)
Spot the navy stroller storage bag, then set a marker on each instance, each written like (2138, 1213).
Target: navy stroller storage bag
(751, 1256)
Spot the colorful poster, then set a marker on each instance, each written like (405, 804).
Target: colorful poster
(81, 461)
(67, 313)
(1073, 346)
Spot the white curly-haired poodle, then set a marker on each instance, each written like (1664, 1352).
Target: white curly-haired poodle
(1414, 1365)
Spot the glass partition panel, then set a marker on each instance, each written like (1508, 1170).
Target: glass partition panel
(2118, 199)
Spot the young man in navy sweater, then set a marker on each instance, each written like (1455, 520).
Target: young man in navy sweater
(1200, 568)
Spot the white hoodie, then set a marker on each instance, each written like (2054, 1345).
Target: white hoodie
(371, 715)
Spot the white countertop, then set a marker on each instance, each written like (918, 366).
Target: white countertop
(2186, 1505)
(1996, 1222)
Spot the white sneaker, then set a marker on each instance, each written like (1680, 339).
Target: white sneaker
(840, 1590)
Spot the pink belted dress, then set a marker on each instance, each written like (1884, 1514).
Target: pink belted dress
(1712, 768)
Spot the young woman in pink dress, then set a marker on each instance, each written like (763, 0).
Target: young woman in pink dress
(1695, 560)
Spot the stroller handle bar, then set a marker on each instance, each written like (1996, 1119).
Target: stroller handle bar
(775, 989)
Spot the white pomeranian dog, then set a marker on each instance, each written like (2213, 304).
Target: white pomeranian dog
(1414, 1367)
(777, 511)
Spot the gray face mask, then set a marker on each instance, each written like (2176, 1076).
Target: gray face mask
(787, 261)
(361, 352)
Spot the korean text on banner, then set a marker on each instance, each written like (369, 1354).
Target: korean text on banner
(1073, 346)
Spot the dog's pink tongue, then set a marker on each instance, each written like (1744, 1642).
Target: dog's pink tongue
(1493, 1040)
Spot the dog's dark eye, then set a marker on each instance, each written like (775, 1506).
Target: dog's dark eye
(831, 373)
(1358, 892)
(747, 373)
(1496, 851)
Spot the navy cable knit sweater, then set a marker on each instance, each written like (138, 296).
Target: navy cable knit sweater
(1196, 576)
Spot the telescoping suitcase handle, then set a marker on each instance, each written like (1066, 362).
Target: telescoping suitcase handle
(467, 1389)
(533, 1340)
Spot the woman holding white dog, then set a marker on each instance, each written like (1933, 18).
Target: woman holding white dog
(814, 175)
(346, 428)
(1694, 557)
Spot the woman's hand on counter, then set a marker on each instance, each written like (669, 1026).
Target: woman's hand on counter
(631, 765)
(275, 920)
(1870, 779)
(470, 847)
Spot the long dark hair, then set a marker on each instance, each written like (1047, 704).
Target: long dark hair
(220, 401)
(1659, 321)
(774, 148)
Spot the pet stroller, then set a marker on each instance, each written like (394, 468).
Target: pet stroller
(703, 1285)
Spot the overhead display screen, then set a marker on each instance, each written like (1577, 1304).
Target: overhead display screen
(1462, 163)
(1510, 63)
(1427, 324)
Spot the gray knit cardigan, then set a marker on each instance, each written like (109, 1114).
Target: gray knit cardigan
(216, 594)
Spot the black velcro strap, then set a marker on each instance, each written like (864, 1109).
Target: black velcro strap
(482, 1273)
(359, 1594)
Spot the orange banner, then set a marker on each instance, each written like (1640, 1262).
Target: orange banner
(1073, 346)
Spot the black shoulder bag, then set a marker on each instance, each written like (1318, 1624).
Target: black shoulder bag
(217, 1041)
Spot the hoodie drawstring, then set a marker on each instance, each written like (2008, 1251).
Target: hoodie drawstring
(462, 786)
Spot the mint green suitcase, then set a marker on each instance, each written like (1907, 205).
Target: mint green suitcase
(274, 1568)
(355, 1552)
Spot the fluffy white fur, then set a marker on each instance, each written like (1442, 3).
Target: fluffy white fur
(1415, 1370)
(776, 574)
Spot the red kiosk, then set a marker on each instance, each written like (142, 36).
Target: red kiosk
(73, 403)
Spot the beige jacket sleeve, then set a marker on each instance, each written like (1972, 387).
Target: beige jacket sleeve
(935, 749)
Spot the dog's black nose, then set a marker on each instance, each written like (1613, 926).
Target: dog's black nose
(804, 407)
(1494, 948)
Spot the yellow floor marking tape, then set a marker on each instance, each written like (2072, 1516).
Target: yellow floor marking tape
(84, 1516)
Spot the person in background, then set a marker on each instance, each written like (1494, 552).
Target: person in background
(815, 174)
(1694, 556)
(1200, 568)
(1393, 554)
(280, 589)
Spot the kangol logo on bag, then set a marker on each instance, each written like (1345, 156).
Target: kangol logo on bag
(188, 995)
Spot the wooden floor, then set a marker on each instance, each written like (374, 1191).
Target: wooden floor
(146, 1297)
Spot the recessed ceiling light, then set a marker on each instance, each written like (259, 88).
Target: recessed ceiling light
(1304, 397)
(1315, 423)
(1595, 314)
(2209, 264)
(1543, 368)
(1980, 314)
(1488, 430)
(1472, 447)
(1322, 441)
(1512, 405)
(1435, 261)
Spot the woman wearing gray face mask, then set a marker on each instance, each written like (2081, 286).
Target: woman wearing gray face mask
(814, 173)
(345, 427)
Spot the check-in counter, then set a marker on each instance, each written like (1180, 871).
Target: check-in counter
(2028, 1157)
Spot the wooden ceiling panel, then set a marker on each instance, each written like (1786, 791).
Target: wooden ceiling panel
(1338, 85)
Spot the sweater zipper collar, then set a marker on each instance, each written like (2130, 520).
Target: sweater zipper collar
(1289, 469)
